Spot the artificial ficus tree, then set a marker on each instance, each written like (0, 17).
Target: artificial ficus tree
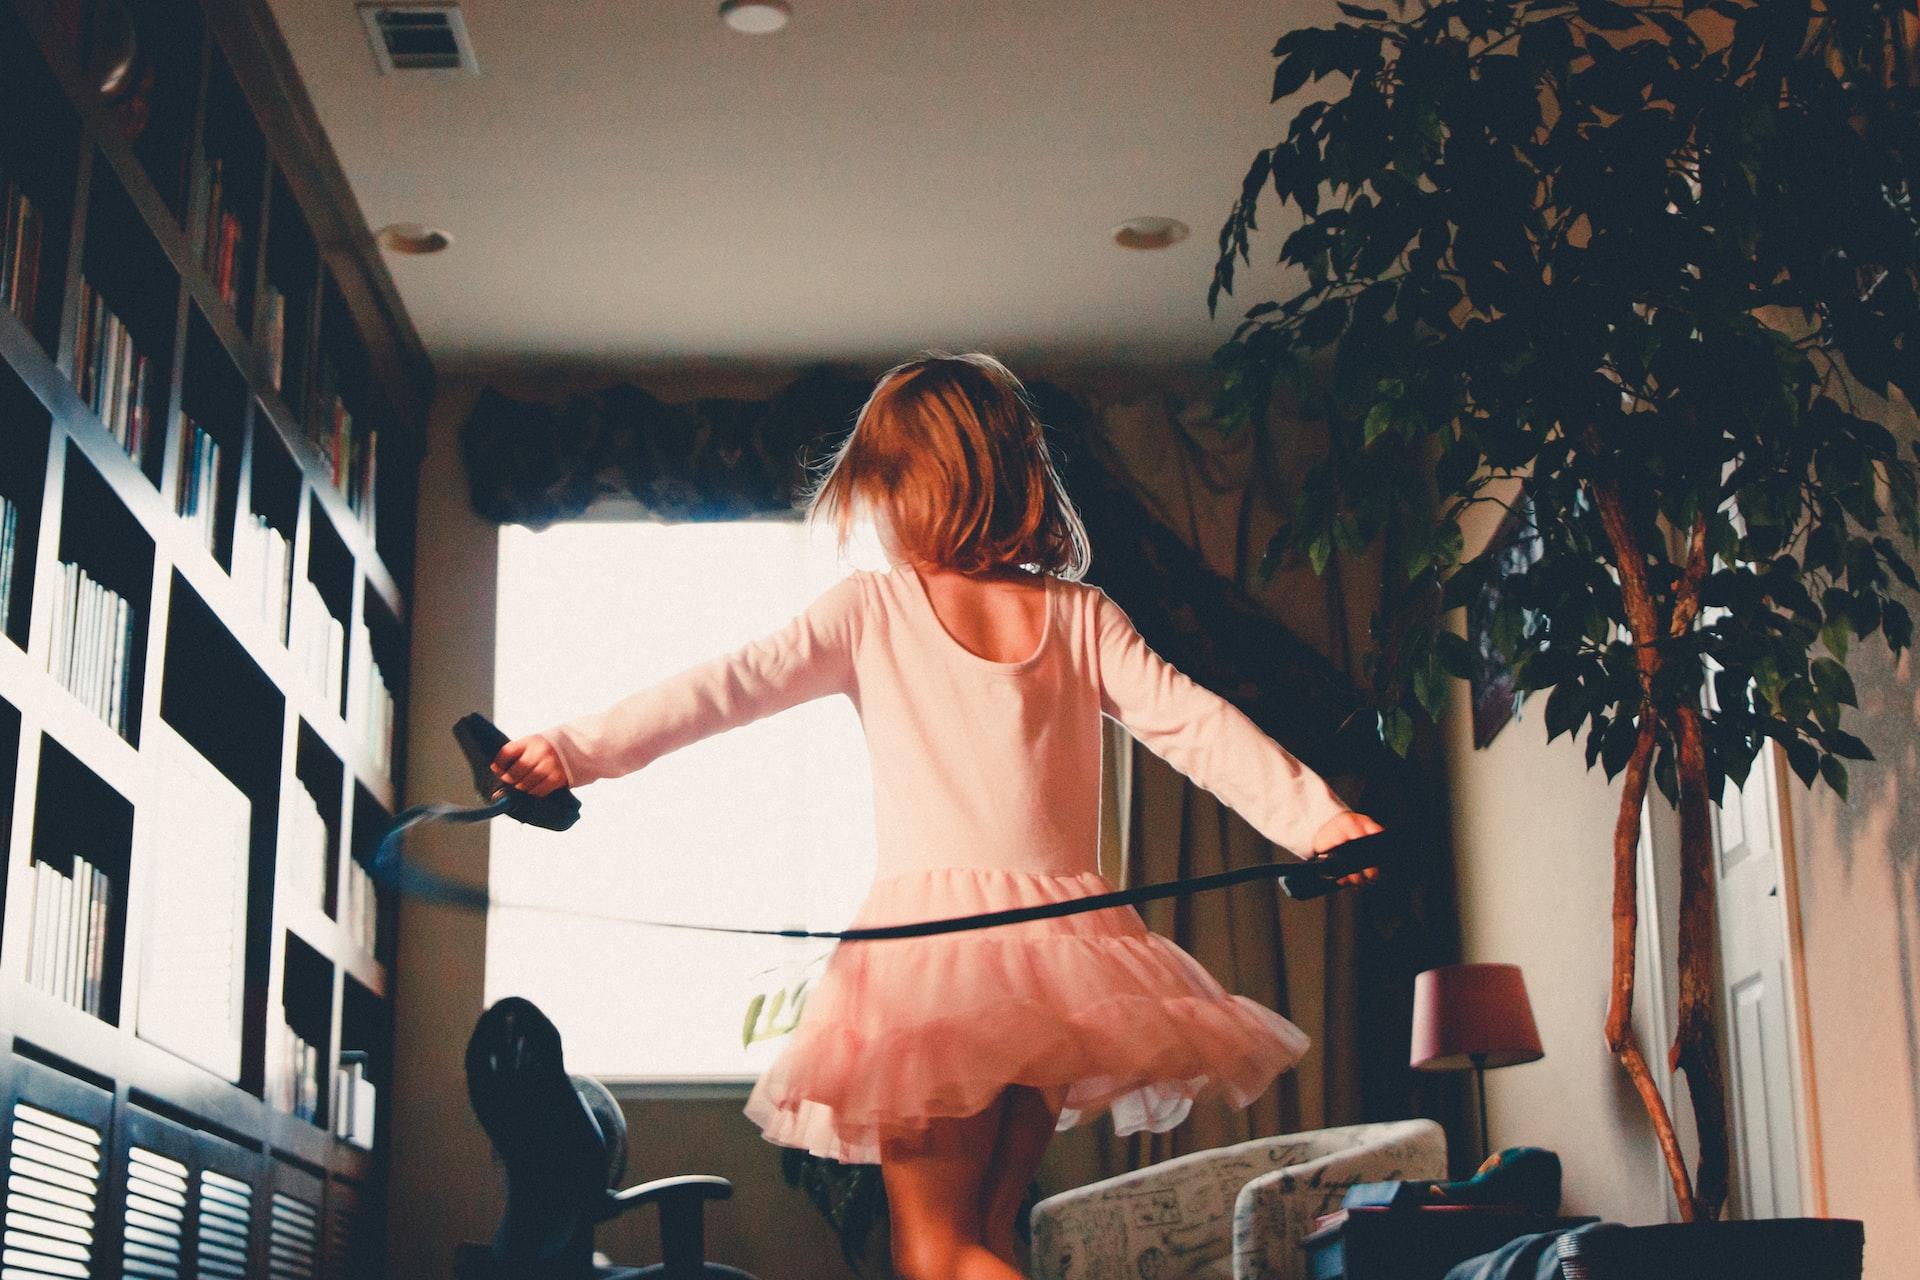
(1643, 257)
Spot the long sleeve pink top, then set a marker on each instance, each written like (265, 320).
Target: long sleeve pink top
(976, 763)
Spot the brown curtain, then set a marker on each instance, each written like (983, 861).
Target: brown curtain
(1294, 957)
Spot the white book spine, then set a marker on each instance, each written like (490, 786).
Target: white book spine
(97, 955)
(82, 927)
(42, 939)
(62, 934)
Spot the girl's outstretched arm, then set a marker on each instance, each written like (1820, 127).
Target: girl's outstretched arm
(810, 657)
(1214, 743)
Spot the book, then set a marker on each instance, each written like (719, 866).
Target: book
(197, 492)
(9, 543)
(263, 569)
(22, 233)
(318, 642)
(69, 920)
(90, 652)
(111, 373)
(274, 304)
(309, 843)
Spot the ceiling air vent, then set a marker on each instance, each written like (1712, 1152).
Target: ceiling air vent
(418, 37)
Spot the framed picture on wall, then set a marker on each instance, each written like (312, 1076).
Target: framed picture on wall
(1515, 547)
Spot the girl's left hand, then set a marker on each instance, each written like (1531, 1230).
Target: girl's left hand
(1341, 828)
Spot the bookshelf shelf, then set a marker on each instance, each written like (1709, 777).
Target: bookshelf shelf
(159, 732)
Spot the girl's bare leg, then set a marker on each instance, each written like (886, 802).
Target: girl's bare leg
(1025, 1131)
(933, 1186)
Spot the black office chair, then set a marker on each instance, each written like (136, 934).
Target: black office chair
(563, 1141)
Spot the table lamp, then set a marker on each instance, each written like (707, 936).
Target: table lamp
(1473, 1015)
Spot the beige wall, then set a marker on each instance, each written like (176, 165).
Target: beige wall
(1858, 868)
(1531, 828)
(1532, 838)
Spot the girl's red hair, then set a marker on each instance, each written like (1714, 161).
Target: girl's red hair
(949, 451)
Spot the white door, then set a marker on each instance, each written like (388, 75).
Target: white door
(1757, 998)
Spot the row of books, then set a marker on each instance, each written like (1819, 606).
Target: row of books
(263, 570)
(198, 498)
(112, 373)
(349, 455)
(67, 952)
(220, 247)
(354, 1099)
(9, 555)
(370, 716)
(92, 649)
(360, 914)
(318, 641)
(22, 232)
(295, 1086)
(308, 856)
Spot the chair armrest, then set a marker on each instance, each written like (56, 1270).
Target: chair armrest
(686, 1189)
(1274, 1212)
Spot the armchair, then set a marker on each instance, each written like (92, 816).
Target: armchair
(1234, 1212)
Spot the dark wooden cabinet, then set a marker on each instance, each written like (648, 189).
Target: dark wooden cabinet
(1414, 1244)
(211, 408)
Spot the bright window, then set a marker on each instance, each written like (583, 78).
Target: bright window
(767, 826)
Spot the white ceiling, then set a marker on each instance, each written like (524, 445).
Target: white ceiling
(629, 181)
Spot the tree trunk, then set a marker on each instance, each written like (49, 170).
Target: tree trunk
(1695, 1049)
(1644, 624)
(1621, 1040)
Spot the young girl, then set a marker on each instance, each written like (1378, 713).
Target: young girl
(980, 666)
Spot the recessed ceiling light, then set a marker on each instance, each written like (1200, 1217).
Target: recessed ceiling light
(755, 17)
(412, 237)
(1149, 233)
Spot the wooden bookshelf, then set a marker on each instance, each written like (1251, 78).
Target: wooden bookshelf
(211, 408)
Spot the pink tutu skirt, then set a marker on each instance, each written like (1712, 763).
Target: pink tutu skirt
(1094, 1008)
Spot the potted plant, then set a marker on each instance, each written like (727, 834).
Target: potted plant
(1641, 256)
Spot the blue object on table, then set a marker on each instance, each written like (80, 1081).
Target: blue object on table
(1523, 1177)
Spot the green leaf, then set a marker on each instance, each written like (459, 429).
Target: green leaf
(1898, 624)
(1379, 422)
(753, 1019)
(1319, 551)
(1290, 75)
(1835, 633)
(1845, 744)
(1803, 760)
(1834, 773)
(1365, 15)
(1566, 708)
(1396, 729)
(1833, 680)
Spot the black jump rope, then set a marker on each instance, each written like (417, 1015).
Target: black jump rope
(559, 810)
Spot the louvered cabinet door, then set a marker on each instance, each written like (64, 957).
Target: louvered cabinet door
(293, 1224)
(355, 1247)
(157, 1193)
(227, 1204)
(56, 1131)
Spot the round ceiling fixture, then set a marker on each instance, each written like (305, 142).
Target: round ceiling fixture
(755, 17)
(1149, 233)
(412, 237)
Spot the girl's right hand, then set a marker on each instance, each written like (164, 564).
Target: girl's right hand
(530, 764)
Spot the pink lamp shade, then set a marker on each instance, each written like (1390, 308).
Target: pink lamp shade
(1473, 1015)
